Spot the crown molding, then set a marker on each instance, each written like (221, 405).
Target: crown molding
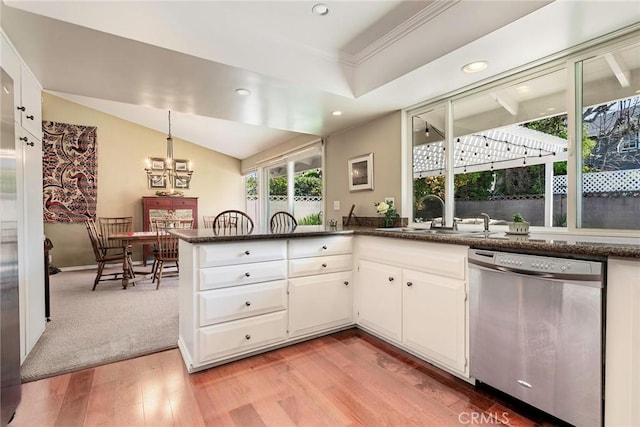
(398, 33)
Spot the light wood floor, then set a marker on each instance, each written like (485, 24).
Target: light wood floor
(348, 378)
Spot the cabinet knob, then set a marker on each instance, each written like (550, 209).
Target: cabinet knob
(409, 284)
(391, 279)
(31, 144)
(23, 138)
(324, 265)
(247, 337)
(247, 252)
(324, 247)
(30, 117)
(247, 274)
(21, 108)
(247, 303)
(346, 283)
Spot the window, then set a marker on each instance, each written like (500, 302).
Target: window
(294, 183)
(503, 148)
(610, 175)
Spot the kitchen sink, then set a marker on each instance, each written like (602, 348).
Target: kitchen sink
(439, 231)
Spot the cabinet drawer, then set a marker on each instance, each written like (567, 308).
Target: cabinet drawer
(243, 274)
(241, 252)
(319, 265)
(240, 336)
(320, 246)
(242, 301)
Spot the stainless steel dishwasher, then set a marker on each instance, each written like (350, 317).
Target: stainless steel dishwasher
(536, 331)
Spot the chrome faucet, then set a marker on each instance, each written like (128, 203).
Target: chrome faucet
(486, 219)
(434, 197)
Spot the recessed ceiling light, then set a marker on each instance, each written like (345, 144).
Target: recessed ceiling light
(243, 92)
(336, 113)
(320, 9)
(474, 67)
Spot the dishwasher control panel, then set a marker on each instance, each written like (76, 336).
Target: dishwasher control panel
(535, 263)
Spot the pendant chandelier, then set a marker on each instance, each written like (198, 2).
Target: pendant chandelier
(168, 173)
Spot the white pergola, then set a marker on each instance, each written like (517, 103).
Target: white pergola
(502, 148)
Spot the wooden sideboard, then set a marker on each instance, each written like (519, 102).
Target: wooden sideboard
(158, 206)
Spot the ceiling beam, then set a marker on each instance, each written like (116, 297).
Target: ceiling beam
(619, 68)
(506, 102)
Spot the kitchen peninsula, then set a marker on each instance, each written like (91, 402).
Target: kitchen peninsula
(241, 295)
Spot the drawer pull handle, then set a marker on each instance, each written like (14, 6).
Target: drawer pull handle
(30, 117)
(525, 384)
(31, 144)
(409, 283)
(248, 303)
(247, 337)
(247, 252)
(247, 274)
(324, 247)
(346, 283)
(21, 108)
(391, 279)
(324, 264)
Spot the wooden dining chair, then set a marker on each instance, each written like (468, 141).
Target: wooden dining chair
(232, 222)
(104, 257)
(208, 221)
(283, 222)
(110, 225)
(166, 247)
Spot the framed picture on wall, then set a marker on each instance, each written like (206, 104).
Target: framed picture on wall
(157, 181)
(361, 173)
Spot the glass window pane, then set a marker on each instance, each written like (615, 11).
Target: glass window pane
(251, 196)
(428, 165)
(610, 182)
(277, 198)
(307, 204)
(509, 142)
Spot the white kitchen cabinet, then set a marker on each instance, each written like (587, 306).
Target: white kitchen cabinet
(233, 299)
(31, 238)
(320, 284)
(320, 303)
(379, 298)
(27, 91)
(238, 298)
(622, 370)
(414, 295)
(433, 317)
(28, 138)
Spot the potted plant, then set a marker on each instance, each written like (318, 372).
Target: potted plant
(390, 213)
(518, 225)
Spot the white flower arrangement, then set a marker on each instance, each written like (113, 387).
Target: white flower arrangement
(386, 208)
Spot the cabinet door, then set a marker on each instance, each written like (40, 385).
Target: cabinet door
(30, 237)
(11, 64)
(32, 103)
(319, 303)
(434, 317)
(380, 298)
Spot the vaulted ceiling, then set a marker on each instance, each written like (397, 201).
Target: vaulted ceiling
(136, 60)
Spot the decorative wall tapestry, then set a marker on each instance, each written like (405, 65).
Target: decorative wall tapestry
(70, 172)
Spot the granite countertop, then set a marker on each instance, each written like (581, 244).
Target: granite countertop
(560, 244)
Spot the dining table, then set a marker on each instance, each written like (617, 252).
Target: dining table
(128, 240)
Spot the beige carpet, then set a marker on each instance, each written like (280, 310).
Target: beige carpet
(109, 324)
